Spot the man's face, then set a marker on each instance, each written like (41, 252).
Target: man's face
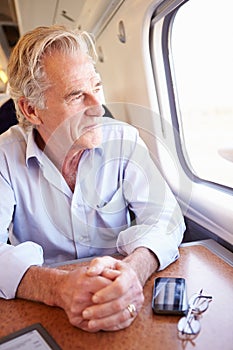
(73, 102)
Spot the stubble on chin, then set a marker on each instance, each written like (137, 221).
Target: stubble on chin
(89, 140)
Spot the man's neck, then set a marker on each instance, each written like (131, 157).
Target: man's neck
(70, 169)
(67, 165)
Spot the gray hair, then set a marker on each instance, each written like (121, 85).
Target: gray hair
(25, 69)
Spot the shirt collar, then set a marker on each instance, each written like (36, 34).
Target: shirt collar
(34, 152)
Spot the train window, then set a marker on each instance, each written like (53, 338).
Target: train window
(201, 56)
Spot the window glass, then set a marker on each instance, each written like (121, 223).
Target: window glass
(202, 54)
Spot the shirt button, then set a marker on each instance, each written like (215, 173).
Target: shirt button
(83, 239)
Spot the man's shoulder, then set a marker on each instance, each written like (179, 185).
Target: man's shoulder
(119, 129)
(14, 135)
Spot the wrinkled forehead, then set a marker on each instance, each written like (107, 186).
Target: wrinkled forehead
(88, 80)
(75, 66)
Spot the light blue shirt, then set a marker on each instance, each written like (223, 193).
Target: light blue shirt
(47, 223)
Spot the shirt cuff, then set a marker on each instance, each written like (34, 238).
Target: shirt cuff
(16, 261)
(164, 246)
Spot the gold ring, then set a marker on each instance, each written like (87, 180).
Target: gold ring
(132, 310)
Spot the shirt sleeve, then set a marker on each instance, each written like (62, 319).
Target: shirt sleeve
(14, 262)
(159, 224)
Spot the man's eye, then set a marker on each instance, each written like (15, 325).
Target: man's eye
(97, 89)
(76, 97)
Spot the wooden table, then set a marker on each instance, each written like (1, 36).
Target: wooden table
(198, 265)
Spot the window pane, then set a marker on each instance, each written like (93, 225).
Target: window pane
(202, 53)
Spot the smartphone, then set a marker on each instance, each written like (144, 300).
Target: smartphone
(169, 296)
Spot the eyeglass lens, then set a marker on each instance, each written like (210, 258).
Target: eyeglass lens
(199, 303)
(189, 324)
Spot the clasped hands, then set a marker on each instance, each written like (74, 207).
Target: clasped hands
(106, 295)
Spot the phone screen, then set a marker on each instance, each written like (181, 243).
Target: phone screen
(169, 296)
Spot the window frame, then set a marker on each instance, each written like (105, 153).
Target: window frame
(208, 204)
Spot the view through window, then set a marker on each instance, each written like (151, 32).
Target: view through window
(202, 54)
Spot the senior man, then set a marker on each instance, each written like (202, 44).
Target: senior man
(68, 182)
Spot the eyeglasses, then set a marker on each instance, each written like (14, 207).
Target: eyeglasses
(190, 324)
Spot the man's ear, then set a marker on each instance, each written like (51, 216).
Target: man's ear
(28, 111)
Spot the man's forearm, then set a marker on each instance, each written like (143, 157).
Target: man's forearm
(144, 262)
(41, 284)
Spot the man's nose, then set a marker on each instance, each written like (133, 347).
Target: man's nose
(94, 107)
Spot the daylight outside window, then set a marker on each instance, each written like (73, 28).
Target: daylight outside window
(202, 54)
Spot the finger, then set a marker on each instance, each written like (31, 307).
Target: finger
(117, 321)
(98, 311)
(98, 265)
(78, 293)
(97, 283)
(122, 284)
(80, 323)
(110, 273)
